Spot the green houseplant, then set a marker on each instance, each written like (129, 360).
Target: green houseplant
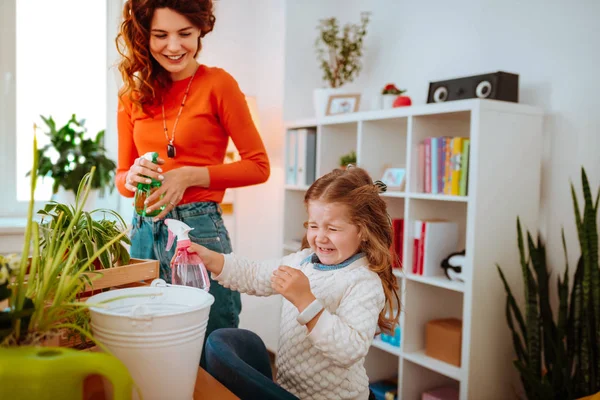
(93, 232)
(70, 156)
(42, 291)
(346, 159)
(559, 358)
(339, 50)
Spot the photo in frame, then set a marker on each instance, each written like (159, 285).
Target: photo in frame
(342, 103)
(394, 178)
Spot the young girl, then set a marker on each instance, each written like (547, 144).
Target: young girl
(336, 291)
(186, 112)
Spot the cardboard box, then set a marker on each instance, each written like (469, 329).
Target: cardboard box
(443, 339)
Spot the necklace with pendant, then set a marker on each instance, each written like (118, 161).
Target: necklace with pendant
(171, 152)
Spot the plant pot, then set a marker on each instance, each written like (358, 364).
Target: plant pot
(57, 373)
(387, 101)
(321, 98)
(68, 197)
(402, 101)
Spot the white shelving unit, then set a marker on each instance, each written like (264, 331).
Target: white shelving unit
(504, 182)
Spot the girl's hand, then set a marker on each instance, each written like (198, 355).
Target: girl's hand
(173, 187)
(142, 171)
(212, 260)
(292, 284)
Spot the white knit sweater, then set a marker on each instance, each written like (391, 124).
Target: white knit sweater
(328, 363)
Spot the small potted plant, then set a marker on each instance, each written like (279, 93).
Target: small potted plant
(70, 155)
(339, 52)
(389, 94)
(347, 159)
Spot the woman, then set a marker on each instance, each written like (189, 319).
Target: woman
(186, 112)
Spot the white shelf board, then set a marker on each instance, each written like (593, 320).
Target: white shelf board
(301, 123)
(380, 344)
(439, 281)
(440, 197)
(394, 194)
(418, 110)
(296, 187)
(443, 368)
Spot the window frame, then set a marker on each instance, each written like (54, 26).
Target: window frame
(11, 207)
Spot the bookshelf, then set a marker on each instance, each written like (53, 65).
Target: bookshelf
(503, 183)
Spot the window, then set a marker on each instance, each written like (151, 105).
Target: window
(53, 61)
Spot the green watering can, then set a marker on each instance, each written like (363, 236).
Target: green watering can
(50, 373)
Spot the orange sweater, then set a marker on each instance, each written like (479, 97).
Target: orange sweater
(215, 110)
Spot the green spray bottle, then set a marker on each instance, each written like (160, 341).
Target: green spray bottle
(144, 190)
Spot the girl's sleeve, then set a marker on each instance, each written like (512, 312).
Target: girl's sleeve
(345, 336)
(254, 277)
(127, 150)
(234, 115)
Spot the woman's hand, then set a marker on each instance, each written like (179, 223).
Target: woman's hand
(142, 171)
(173, 187)
(212, 260)
(292, 284)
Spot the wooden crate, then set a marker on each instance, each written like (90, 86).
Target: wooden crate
(137, 273)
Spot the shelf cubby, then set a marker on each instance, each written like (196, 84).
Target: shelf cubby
(382, 144)
(333, 142)
(423, 303)
(417, 378)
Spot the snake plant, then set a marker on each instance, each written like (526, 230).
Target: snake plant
(559, 359)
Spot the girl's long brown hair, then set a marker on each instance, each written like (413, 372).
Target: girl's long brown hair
(354, 189)
(142, 75)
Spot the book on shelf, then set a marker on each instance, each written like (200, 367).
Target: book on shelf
(443, 164)
(397, 240)
(433, 241)
(301, 156)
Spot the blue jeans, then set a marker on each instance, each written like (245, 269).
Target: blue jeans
(149, 241)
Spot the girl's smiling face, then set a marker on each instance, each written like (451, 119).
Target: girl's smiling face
(330, 233)
(174, 42)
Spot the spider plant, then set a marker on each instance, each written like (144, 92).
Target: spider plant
(45, 301)
(559, 359)
(94, 229)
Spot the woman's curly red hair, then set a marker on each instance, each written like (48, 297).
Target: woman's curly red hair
(141, 73)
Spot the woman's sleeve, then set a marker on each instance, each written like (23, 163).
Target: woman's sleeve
(254, 277)
(234, 115)
(127, 150)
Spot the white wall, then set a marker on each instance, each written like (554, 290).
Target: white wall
(244, 45)
(553, 46)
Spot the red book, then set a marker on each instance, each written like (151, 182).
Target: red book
(397, 242)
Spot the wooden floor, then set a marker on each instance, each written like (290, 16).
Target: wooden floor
(207, 388)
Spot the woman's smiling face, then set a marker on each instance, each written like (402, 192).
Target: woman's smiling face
(174, 43)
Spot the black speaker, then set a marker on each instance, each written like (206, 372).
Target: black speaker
(498, 86)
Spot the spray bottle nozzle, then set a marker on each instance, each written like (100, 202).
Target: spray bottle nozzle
(176, 228)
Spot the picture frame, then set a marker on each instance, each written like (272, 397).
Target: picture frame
(342, 103)
(394, 178)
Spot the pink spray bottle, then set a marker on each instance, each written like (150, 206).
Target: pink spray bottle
(187, 269)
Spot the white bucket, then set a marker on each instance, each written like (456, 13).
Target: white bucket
(158, 336)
